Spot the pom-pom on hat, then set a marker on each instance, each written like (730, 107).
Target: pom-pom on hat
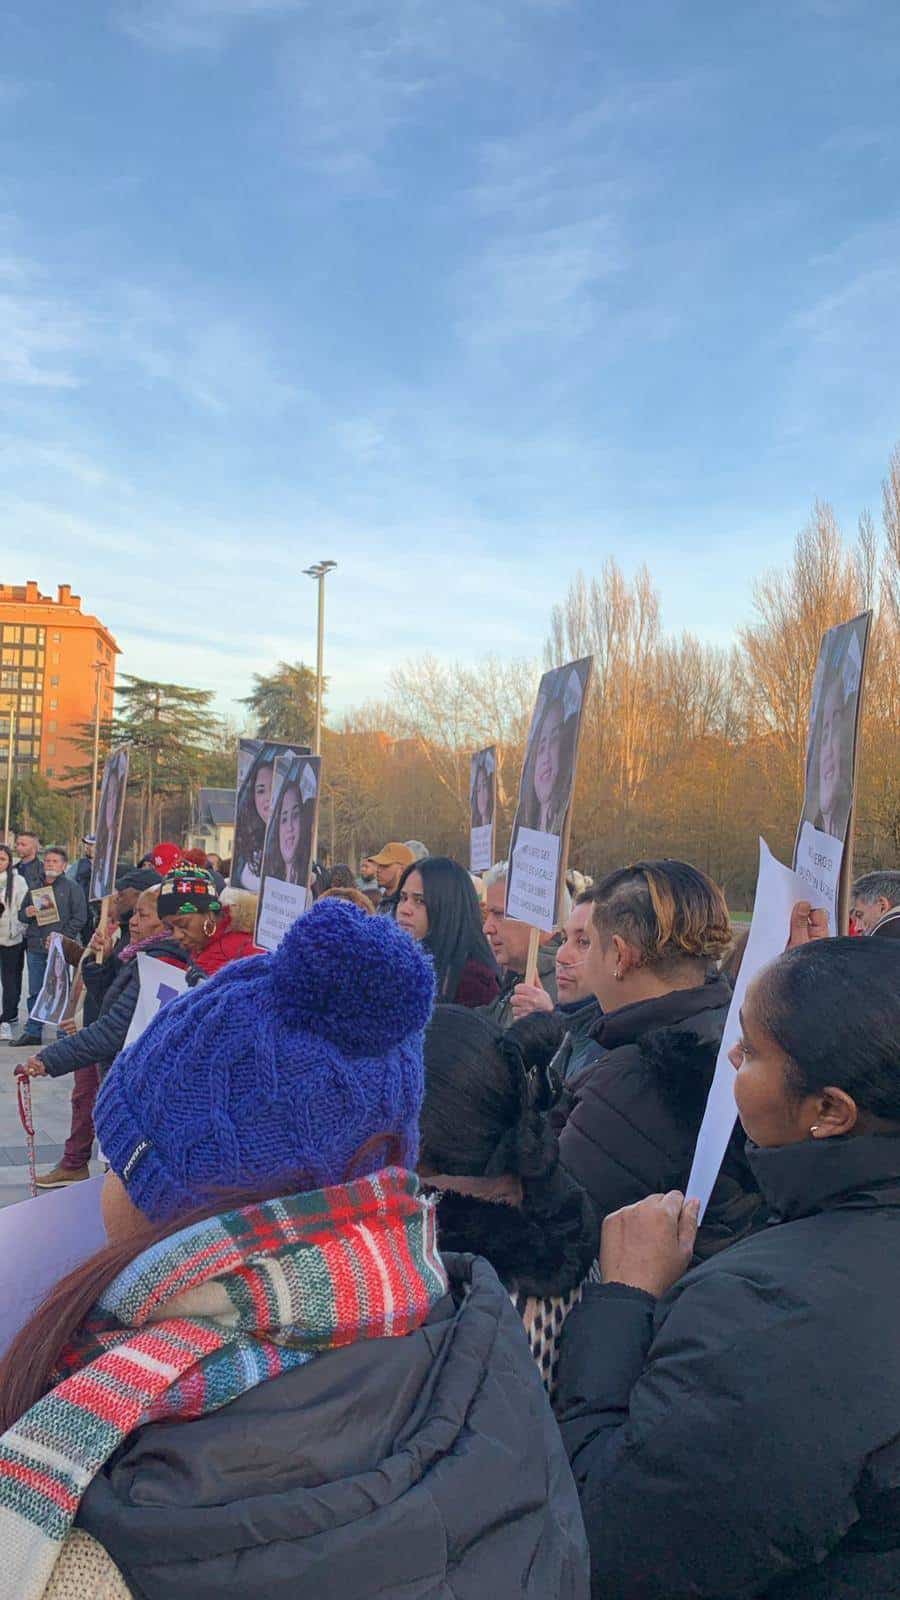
(280, 1068)
(163, 857)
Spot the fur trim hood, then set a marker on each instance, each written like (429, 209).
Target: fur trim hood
(545, 1247)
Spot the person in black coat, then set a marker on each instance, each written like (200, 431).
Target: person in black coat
(118, 981)
(632, 1115)
(737, 1435)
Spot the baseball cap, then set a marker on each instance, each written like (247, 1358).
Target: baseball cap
(393, 855)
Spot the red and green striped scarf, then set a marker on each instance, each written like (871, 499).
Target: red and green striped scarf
(201, 1318)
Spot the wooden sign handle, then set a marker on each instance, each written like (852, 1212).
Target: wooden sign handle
(534, 940)
(104, 913)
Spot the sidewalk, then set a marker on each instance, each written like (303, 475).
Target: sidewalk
(50, 1098)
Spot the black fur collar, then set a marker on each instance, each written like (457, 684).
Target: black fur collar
(544, 1247)
(682, 1065)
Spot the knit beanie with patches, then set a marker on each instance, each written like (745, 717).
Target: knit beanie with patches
(281, 1066)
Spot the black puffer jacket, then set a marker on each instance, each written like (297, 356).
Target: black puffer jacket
(102, 1039)
(632, 1118)
(427, 1467)
(741, 1436)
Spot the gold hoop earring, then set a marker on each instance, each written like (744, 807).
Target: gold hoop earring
(209, 926)
(618, 976)
(814, 1129)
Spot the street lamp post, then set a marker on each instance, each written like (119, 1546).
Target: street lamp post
(320, 572)
(9, 771)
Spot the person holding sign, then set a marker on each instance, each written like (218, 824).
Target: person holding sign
(272, 1316)
(733, 1431)
(509, 940)
(657, 931)
(69, 922)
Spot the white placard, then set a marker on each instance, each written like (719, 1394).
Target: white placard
(40, 1241)
(818, 863)
(778, 889)
(531, 895)
(160, 983)
(481, 848)
(282, 904)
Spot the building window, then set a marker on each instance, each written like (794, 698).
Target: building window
(50, 772)
(54, 683)
(30, 635)
(12, 633)
(51, 749)
(9, 679)
(54, 659)
(51, 725)
(56, 638)
(54, 705)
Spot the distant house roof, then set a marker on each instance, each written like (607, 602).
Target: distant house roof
(215, 807)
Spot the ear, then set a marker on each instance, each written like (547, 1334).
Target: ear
(628, 958)
(836, 1113)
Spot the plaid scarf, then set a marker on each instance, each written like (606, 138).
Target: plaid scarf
(202, 1317)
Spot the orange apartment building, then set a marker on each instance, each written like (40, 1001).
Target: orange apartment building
(52, 655)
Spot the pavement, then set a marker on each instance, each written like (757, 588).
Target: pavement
(50, 1102)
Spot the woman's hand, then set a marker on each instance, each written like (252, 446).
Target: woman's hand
(68, 1026)
(30, 911)
(529, 997)
(34, 1066)
(807, 923)
(649, 1245)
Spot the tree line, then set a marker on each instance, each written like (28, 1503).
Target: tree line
(687, 749)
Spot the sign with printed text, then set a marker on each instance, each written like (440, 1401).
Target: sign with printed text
(483, 806)
(160, 984)
(540, 835)
(293, 820)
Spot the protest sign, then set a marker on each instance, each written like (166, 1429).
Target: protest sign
(778, 890)
(45, 907)
(53, 996)
(540, 837)
(40, 1242)
(823, 850)
(255, 770)
(483, 806)
(293, 817)
(111, 810)
(160, 983)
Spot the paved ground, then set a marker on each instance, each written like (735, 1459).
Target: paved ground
(50, 1107)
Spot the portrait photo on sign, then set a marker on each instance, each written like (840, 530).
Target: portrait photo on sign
(545, 795)
(483, 805)
(833, 720)
(109, 823)
(255, 775)
(45, 907)
(50, 1005)
(287, 850)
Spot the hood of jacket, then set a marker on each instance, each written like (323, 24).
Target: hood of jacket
(544, 1247)
(849, 1173)
(228, 943)
(421, 1466)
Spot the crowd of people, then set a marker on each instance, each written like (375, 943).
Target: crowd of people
(403, 1293)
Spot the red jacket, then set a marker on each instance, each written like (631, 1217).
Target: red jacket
(227, 944)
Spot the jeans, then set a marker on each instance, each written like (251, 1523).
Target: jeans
(12, 960)
(80, 1142)
(37, 966)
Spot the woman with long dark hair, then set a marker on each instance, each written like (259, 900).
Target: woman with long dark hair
(734, 1430)
(252, 815)
(287, 856)
(269, 1382)
(13, 890)
(438, 905)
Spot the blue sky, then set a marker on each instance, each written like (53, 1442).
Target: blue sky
(465, 296)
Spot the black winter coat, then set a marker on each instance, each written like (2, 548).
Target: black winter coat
(102, 1039)
(632, 1118)
(741, 1437)
(72, 908)
(426, 1467)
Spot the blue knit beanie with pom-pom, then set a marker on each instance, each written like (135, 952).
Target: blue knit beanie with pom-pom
(281, 1065)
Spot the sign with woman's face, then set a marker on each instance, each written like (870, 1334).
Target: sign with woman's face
(537, 865)
(483, 801)
(293, 810)
(50, 1005)
(831, 761)
(110, 813)
(253, 799)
